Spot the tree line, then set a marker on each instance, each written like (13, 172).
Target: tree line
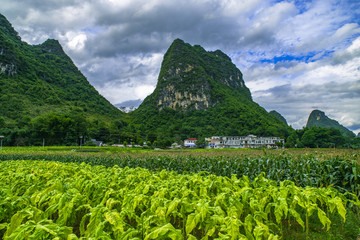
(320, 137)
(67, 128)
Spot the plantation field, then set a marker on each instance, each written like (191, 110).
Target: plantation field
(112, 193)
(317, 168)
(44, 200)
(320, 153)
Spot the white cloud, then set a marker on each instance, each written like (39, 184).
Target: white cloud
(322, 85)
(119, 93)
(75, 40)
(143, 91)
(346, 31)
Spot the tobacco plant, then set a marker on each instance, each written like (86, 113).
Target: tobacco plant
(52, 200)
(340, 172)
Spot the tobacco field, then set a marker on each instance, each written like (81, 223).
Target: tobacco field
(69, 196)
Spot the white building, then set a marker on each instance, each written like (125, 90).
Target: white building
(190, 142)
(250, 141)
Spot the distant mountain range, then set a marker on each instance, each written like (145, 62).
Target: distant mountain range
(129, 106)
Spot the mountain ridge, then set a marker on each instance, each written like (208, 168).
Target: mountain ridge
(318, 118)
(279, 116)
(42, 78)
(183, 63)
(202, 93)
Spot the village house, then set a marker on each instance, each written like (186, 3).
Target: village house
(190, 142)
(250, 141)
(175, 145)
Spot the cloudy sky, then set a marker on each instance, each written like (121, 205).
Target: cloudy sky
(296, 56)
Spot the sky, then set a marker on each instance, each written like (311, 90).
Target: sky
(295, 56)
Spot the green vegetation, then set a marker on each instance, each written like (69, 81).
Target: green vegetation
(230, 109)
(278, 116)
(48, 101)
(39, 83)
(319, 119)
(322, 137)
(189, 68)
(43, 200)
(315, 170)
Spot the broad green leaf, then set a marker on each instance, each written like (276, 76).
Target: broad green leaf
(248, 224)
(3, 225)
(340, 207)
(72, 237)
(192, 221)
(115, 219)
(297, 217)
(167, 230)
(190, 237)
(324, 219)
(16, 221)
(173, 206)
(131, 233)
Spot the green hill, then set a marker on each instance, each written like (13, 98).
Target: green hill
(278, 116)
(35, 80)
(44, 97)
(318, 118)
(202, 93)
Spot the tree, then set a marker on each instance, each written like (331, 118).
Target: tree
(292, 140)
(308, 139)
(279, 144)
(322, 137)
(2, 122)
(201, 143)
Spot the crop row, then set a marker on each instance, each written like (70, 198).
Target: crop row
(304, 170)
(43, 200)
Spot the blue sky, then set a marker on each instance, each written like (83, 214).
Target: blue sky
(309, 57)
(295, 56)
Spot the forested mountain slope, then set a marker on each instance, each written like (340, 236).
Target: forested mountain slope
(202, 93)
(37, 79)
(44, 97)
(318, 118)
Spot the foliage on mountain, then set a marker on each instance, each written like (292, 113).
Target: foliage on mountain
(200, 94)
(191, 78)
(320, 137)
(41, 87)
(318, 118)
(36, 79)
(278, 116)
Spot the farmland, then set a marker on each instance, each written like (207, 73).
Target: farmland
(109, 193)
